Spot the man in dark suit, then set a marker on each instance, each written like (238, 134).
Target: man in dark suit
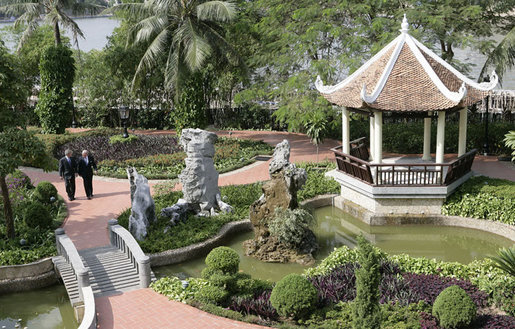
(68, 171)
(86, 166)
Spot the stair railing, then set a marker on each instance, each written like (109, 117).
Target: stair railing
(125, 242)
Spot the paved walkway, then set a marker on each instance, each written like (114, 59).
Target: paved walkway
(86, 225)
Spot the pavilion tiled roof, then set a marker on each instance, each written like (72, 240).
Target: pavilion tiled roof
(406, 76)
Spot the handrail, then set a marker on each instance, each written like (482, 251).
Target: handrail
(124, 241)
(89, 320)
(404, 174)
(66, 248)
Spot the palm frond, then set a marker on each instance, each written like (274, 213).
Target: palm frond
(502, 58)
(151, 55)
(196, 48)
(216, 38)
(505, 260)
(217, 11)
(133, 9)
(172, 68)
(31, 27)
(17, 9)
(149, 27)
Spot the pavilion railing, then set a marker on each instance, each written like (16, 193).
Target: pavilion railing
(404, 174)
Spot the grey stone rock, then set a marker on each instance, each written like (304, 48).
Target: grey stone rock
(279, 192)
(143, 207)
(199, 179)
(281, 157)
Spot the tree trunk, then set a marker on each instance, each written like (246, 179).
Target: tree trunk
(8, 212)
(57, 34)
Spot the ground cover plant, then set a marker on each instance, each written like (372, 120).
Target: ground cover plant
(37, 213)
(483, 198)
(409, 298)
(197, 229)
(155, 156)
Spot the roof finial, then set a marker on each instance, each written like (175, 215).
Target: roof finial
(404, 25)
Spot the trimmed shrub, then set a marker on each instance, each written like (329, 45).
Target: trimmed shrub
(57, 71)
(225, 281)
(120, 139)
(291, 226)
(367, 313)
(19, 179)
(454, 308)
(37, 215)
(45, 191)
(294, 296)
(211, 295)
(223, 259)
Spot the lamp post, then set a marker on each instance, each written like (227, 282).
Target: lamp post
(74, 123)
(124, 115)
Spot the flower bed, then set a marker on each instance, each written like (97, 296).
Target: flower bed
(483, 198)
(33, 241)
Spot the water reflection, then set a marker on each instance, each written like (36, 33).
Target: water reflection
(47, 308)
(335, 228)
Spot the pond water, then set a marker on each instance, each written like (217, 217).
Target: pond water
(47, 308)
(335, 228)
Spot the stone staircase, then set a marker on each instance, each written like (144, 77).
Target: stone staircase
(110, 271)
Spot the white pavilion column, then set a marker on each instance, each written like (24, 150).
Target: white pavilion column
(440, 137)
(462, 137)
(372, 138)
(378, 137)
(345, 131)
(427, 139)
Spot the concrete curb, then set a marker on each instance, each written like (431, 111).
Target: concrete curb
(39, 274)
(179, 255)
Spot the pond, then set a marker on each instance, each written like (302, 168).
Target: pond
(335, 228)
(47, 308)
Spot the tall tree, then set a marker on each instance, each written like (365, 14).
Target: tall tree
(16, 144)
(52, 12)
(502, 57)
(179, 34)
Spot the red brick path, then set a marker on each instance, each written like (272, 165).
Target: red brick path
(87, 222)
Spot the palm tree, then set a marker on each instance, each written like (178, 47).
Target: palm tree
(180, 33)
(502, 57)
(31, 12)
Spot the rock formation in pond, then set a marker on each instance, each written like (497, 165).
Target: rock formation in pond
(143, 208)
(199, 179)
(279, 192)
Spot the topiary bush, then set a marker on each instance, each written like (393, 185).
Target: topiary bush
(57, 71)
(223, 259)
(37, 215)
(294, 296)
(291, 226)
(367, 312)
(44, 192)
(454, 308)
(212, 295)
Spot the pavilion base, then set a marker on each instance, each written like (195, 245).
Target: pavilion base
(397, 199)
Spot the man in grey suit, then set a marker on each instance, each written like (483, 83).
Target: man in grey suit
(87, 165)
(68, 171)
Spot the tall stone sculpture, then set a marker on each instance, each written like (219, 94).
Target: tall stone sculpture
(142, 205)
(279, 192)
(199, 179)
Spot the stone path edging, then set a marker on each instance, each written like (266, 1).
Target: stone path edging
(38, 274)
(178, 255)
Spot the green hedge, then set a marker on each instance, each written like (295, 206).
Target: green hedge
(482, 273)
(483, 198)
(39, 242)
(408, 137)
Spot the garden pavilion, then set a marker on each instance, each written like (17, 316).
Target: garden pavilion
(408, 78)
